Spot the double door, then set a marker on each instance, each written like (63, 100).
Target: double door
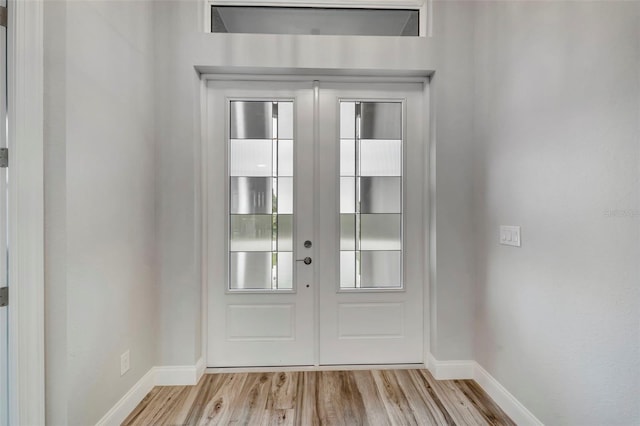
(314, 223)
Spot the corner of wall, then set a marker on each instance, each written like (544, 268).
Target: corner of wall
(183, 375)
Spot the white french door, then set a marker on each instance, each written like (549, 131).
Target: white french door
(314, 223)
(371, 287)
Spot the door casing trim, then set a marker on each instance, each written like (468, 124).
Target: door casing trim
(428, 135)
(25, 72)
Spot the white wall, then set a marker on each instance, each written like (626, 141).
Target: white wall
(177, 204)
(180, 46)
(452, 282)
(536, 120)
(100, 212)
(557, 113)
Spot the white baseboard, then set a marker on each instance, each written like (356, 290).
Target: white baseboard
(464, 370)
(179, 375)
(129, 401)
(200, 368)
(451, 370)
(505, 400)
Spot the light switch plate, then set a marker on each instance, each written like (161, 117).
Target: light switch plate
(510, 235)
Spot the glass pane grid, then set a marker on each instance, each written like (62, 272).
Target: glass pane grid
(261, 195)
(370, 195)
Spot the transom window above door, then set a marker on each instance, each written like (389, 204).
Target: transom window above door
(399, 19)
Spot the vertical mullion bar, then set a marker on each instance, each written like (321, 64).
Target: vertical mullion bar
(229, 190)
(274, 199)
(358, 265)
(402, 164)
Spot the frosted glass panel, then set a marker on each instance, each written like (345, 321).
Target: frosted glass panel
(250, 195)
(371, 194)
(251, 120)
(285, 120)
(347, 195)
(285, 158)
(380, 120)
(285, 271)
(261, 189)
(380, 158)
(347, 157)
(380, 194)
(251, 158)
(381, 269)
(380, 232)
(250, 270)
(347, 232)
(347, 269)
(285, 195)
(251, 232)
(285, 232)
(347, 120)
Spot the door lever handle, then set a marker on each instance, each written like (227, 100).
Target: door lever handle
(306, 260)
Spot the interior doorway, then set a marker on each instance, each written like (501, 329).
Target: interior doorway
(314, 219)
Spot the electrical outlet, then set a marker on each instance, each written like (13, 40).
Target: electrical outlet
(125, 362)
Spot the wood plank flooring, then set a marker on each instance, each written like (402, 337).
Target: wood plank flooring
(368, 397)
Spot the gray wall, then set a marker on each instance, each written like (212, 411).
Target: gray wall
(536, 112)
(177, 203)
(180, 46)
(100, 213)
(557, 113)
(453, 267)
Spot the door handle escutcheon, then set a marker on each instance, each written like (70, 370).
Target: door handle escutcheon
(306, 260)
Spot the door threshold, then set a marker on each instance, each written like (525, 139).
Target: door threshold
(286, 368)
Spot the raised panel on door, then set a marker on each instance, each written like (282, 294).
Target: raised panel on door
(371, 217)
(259, 162)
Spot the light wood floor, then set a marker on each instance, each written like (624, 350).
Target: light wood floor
(378, 397)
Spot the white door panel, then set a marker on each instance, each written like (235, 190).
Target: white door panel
(379, 324)
(259, 213)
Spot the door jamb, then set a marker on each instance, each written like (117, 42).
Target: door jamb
(25, 72)
(427, 134)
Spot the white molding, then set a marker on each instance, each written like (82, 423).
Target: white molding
(311, 75)
(451, 370)
(126, 404)
(471, 370)
(200, 369)
(176, 375)
(348, 4)
(26, 212)
(505, 400)
(179, 375)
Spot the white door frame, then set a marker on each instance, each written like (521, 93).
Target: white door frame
(26, 212)
(428, 139)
